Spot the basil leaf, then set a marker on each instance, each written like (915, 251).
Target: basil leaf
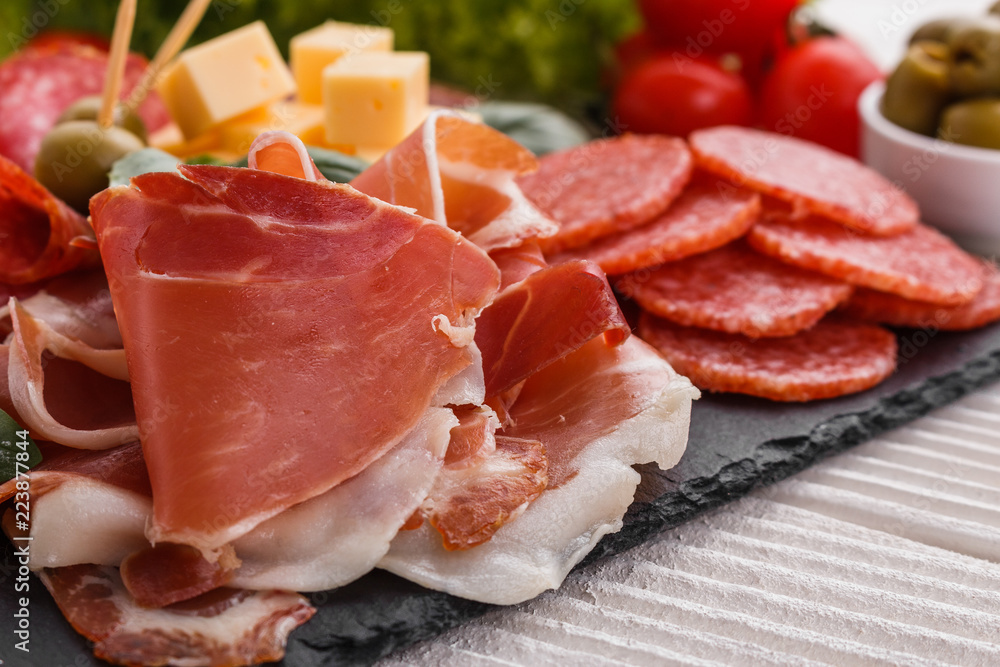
(539, 128)
(17, 453)
(142, 162)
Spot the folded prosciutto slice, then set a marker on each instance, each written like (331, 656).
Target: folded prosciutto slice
(461, 174)
(36, 229)
(281, 335)
(597, 411)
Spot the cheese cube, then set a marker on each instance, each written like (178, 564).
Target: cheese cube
(224, 78)
(303, 120)
(375, 99)
(310, 52)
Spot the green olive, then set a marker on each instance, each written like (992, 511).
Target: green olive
(973, 122)
(975, 57)
(76, 156)
(918, 88)
(87, 108)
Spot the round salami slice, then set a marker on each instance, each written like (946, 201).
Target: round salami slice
(810, 177)
(833, 358)
(737, 290)
(984, 309)
(607, 186)
(37, 85)
(921, 264)
(703, 218)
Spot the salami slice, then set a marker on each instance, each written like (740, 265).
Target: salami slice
(737, 290)
(833, 358)
(921, 264)
(606, 186)
(810, 177)
(703, 218)
(37, 85)
(873, 306)
(36, 229)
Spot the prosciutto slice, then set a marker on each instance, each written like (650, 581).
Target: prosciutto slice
(333, 539)
(461, 174)
(36, 229)
(598, 411)
(262, 317)
(545, 317)
(224, 627)
(66, 391)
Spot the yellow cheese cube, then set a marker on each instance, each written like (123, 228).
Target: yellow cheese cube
(375, 99)
(303, 120)
(310, 52)
(224, 78)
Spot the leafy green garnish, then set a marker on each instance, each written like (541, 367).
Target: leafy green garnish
(539, 128)
(141, 162)
(18, 452)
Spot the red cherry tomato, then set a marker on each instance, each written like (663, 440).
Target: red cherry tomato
(55, 40)
(812, 93)
(716, 26)
(673, 94)
(634, 50)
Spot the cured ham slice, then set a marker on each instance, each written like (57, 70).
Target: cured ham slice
(282, 152)
(76, 305)
(474, 437)
(262, 318)
(169, 573)
(333, 539)
(224, 627)
(461, 174)
(36, 229)
(469, 504)
(66, 391)
(598, 411)
(544, 317)
(518, 263)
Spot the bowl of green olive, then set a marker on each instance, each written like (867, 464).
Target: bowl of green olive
(933, 127)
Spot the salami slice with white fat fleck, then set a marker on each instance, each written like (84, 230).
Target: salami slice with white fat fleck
(921, 264)
(607, 186)
(833, 358)
(737, 290)
(812, 178)
(37, 85)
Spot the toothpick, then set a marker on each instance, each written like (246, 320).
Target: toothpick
(175, 41)
(116, 62)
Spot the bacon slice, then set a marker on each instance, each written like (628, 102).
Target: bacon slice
(36, 229)
(290, 291)
(66, 391)
(225, 627)
(545, 317)
(461, 174)
(333, 539)
(598, 411)
(469, 504)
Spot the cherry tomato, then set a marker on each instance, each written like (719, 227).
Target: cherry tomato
(634, 50)
(54, 40)
(812, 93)
(673, 94)
(717, 26)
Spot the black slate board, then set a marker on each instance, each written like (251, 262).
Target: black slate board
(736, 444)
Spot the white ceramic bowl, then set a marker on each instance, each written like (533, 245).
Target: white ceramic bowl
(957, 187)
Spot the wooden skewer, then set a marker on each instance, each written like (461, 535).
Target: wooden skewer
(116, 62)
(175, 41)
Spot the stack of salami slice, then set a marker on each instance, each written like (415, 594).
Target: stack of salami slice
(762, 264)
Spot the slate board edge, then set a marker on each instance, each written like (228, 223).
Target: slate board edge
(772, 462)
